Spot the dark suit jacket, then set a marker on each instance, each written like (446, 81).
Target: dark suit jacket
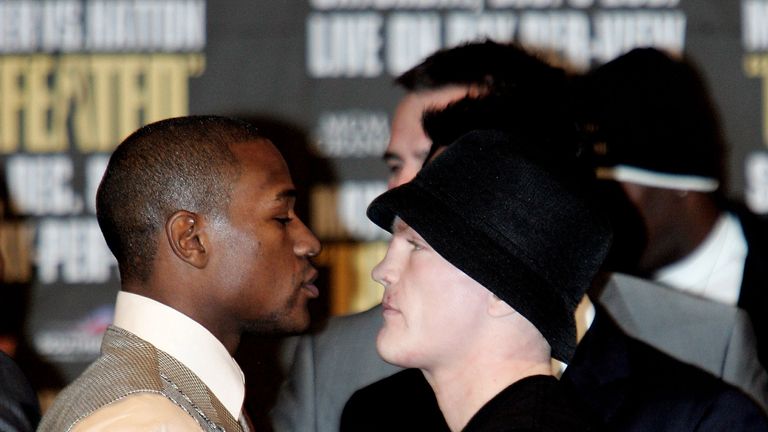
(401, 402)
(19, 409)
(622, 383)
(753, 296)
(534, 404)
(631, 386)
(715, 337)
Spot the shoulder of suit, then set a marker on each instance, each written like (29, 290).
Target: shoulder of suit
(632, 287)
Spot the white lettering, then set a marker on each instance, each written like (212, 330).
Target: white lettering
(72, 251)
(41, 185)
(619, 32)
(353, 133)
(102, 25)
(67, 346)
(396, 4)
(754, 30)
(27, 26)
(410, 38)
(344, 45)
(520, 4)
(467, 27)
(124, 25)
(61, 26)
(563, 32)
(756, 175)
(639, 3)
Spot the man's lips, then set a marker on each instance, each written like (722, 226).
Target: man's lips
(388, 308)
(309, 284)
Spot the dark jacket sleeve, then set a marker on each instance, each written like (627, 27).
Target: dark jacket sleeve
(733, 411)
(19, 408)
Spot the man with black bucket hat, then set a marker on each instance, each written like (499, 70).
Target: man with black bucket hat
(623, 384)
(489, 258)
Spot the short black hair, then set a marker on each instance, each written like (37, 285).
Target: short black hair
(182, 163)
(498, 67)
(526, 97)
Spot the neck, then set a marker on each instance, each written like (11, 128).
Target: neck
(462, 391)
(702, 214)
(222, 330)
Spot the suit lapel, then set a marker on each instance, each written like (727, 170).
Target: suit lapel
(600, 368)
(753, 296)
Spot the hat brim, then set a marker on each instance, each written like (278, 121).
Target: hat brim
(650, 178)
(483, 259)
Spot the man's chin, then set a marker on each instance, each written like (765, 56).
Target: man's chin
(390, 348)
(296, 327)
(285, 325)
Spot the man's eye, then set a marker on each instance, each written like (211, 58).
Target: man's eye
(415, 245)
(394, 168)
(283, 220)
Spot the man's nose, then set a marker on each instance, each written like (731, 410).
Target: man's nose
(307, 244)
(384, 273)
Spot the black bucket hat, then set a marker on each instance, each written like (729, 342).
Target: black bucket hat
(510, 225)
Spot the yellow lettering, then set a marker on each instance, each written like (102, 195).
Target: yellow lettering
(50, 104)
(11, 102)
(16, 245)
(756, 66)
(43, 128)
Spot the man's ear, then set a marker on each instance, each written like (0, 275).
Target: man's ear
(187, 237)
(498, 307)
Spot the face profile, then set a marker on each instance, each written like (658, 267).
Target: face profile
(429, 304)
(217, 201)
(265, 276)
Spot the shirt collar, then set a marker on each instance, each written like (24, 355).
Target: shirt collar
(714, 270)
(585, 316)
(186, 340)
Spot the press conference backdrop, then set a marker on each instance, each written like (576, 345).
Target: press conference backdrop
(77, 76)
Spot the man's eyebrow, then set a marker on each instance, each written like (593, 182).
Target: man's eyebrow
(286, 195)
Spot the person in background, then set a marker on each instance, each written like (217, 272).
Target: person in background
(19, 407)
(199, 213)
(19, 404)
(658, 138)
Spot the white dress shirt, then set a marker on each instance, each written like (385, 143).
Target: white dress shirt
(188, 342)
(714, 270)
